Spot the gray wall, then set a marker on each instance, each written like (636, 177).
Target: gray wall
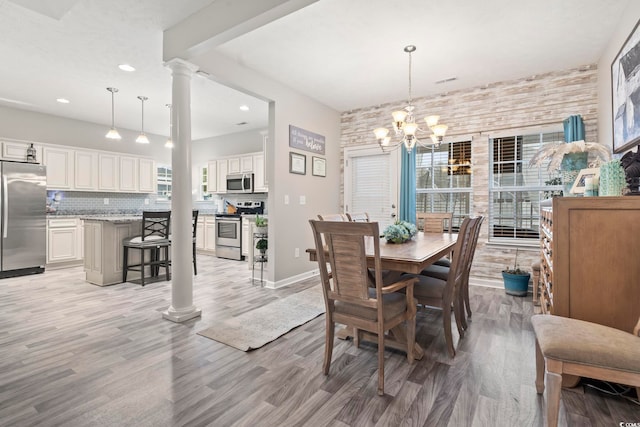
(288, 223)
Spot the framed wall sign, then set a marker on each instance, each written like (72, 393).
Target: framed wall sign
(297, 163)
(304, 140)
(318, 166)
(625, 93)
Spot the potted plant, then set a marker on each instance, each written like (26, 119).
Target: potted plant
(261, 225)
(516, 280)
(262, 245)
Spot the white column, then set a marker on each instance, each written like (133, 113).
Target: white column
(182, 307)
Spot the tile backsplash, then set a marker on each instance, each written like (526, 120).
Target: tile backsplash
(93, 203)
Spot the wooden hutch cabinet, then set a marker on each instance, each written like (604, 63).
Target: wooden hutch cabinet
(590, 259)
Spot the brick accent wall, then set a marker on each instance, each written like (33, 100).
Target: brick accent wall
(539, 100)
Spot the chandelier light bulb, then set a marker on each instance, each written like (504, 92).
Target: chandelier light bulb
(431, 120)
(440, 130)
(381, 133)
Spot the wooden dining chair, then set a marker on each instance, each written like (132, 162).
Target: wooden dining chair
(442, 272)
(153, 241)
(348, 297)
(333, 217)
(358, 217)
(445, 294)
(434, 222)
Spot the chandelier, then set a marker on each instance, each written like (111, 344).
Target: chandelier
(405, 125)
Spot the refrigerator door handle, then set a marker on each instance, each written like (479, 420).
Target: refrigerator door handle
(5, 206)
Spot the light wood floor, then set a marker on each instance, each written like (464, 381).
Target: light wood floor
(75, 354)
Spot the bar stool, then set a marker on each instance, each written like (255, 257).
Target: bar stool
(153, 240)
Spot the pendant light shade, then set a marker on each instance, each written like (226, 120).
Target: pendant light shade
(169, 143)
(142, 138)
(113, 132)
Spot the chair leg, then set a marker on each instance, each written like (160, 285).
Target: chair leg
(446, 320)
(195, 267)
(142, 251)
(539, 369)
(554, 388)
(380, 361)
(125, 263)
(465, 294)
(458, 313)
(328, 343)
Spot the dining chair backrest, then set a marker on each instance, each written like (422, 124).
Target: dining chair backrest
(434, 222)
(155, 225)
(333, 217)
(346, 249)
(462, 251)
(358, 217)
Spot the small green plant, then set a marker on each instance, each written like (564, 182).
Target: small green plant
(261, 221)
(516, 268)
(262, 245)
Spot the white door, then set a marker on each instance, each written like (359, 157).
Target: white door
(371, 183)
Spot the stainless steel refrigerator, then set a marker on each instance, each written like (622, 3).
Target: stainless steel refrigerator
(23, 200)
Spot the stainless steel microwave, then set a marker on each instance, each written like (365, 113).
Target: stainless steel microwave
(240, 183)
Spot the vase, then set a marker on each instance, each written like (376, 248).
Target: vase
(516, 284)
(572, 164)
(612, 179)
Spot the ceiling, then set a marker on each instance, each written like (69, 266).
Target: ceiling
(346, 54)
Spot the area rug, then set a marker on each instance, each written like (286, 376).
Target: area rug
(258, 327)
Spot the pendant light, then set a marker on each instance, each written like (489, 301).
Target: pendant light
(142, 138)
(113, 132)
(169, 143)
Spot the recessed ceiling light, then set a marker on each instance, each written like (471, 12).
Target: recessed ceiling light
(62, 100)
(244, 108)
(126, 67)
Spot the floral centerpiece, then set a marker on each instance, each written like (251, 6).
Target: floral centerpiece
(400, 232)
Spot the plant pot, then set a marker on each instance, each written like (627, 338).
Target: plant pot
(260, 230)
(516, 284)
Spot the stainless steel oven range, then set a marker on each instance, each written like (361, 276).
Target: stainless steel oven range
(229, 236)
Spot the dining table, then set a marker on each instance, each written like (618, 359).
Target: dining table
(412, 256)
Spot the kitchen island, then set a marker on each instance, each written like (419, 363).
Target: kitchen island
(103, 250)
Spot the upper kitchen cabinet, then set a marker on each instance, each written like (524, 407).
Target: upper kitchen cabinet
(128, 174)
(221, 165)
(60, 167)
(86, 171)
(147, 174)
(246, 164)
(259, 181)
(108, 172)
(212, 177)
(17, 151)
(233, 165)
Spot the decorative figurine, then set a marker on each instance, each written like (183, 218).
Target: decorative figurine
(31, 154)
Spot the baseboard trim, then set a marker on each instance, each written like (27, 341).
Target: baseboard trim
(293, 279)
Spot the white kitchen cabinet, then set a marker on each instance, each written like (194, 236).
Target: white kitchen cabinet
(86, 171)
(212, 177)
(107, 172)
(59, 163)
(233, 165)
(246, 164)
(200, 233)
(17, 151)
(128, 174)
(64, 242)
(210, 233)
(259, 182)
(246, 238)
(222, 175)
(147, 176)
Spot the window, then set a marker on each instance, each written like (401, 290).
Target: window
(443, 179)
(204, 183)
(515, 189)
(164, 182)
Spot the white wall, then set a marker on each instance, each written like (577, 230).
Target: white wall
(624, 28)
(37, 127)
(288, 223)
(216, 147)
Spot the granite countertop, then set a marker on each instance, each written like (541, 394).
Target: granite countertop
(112, 218)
